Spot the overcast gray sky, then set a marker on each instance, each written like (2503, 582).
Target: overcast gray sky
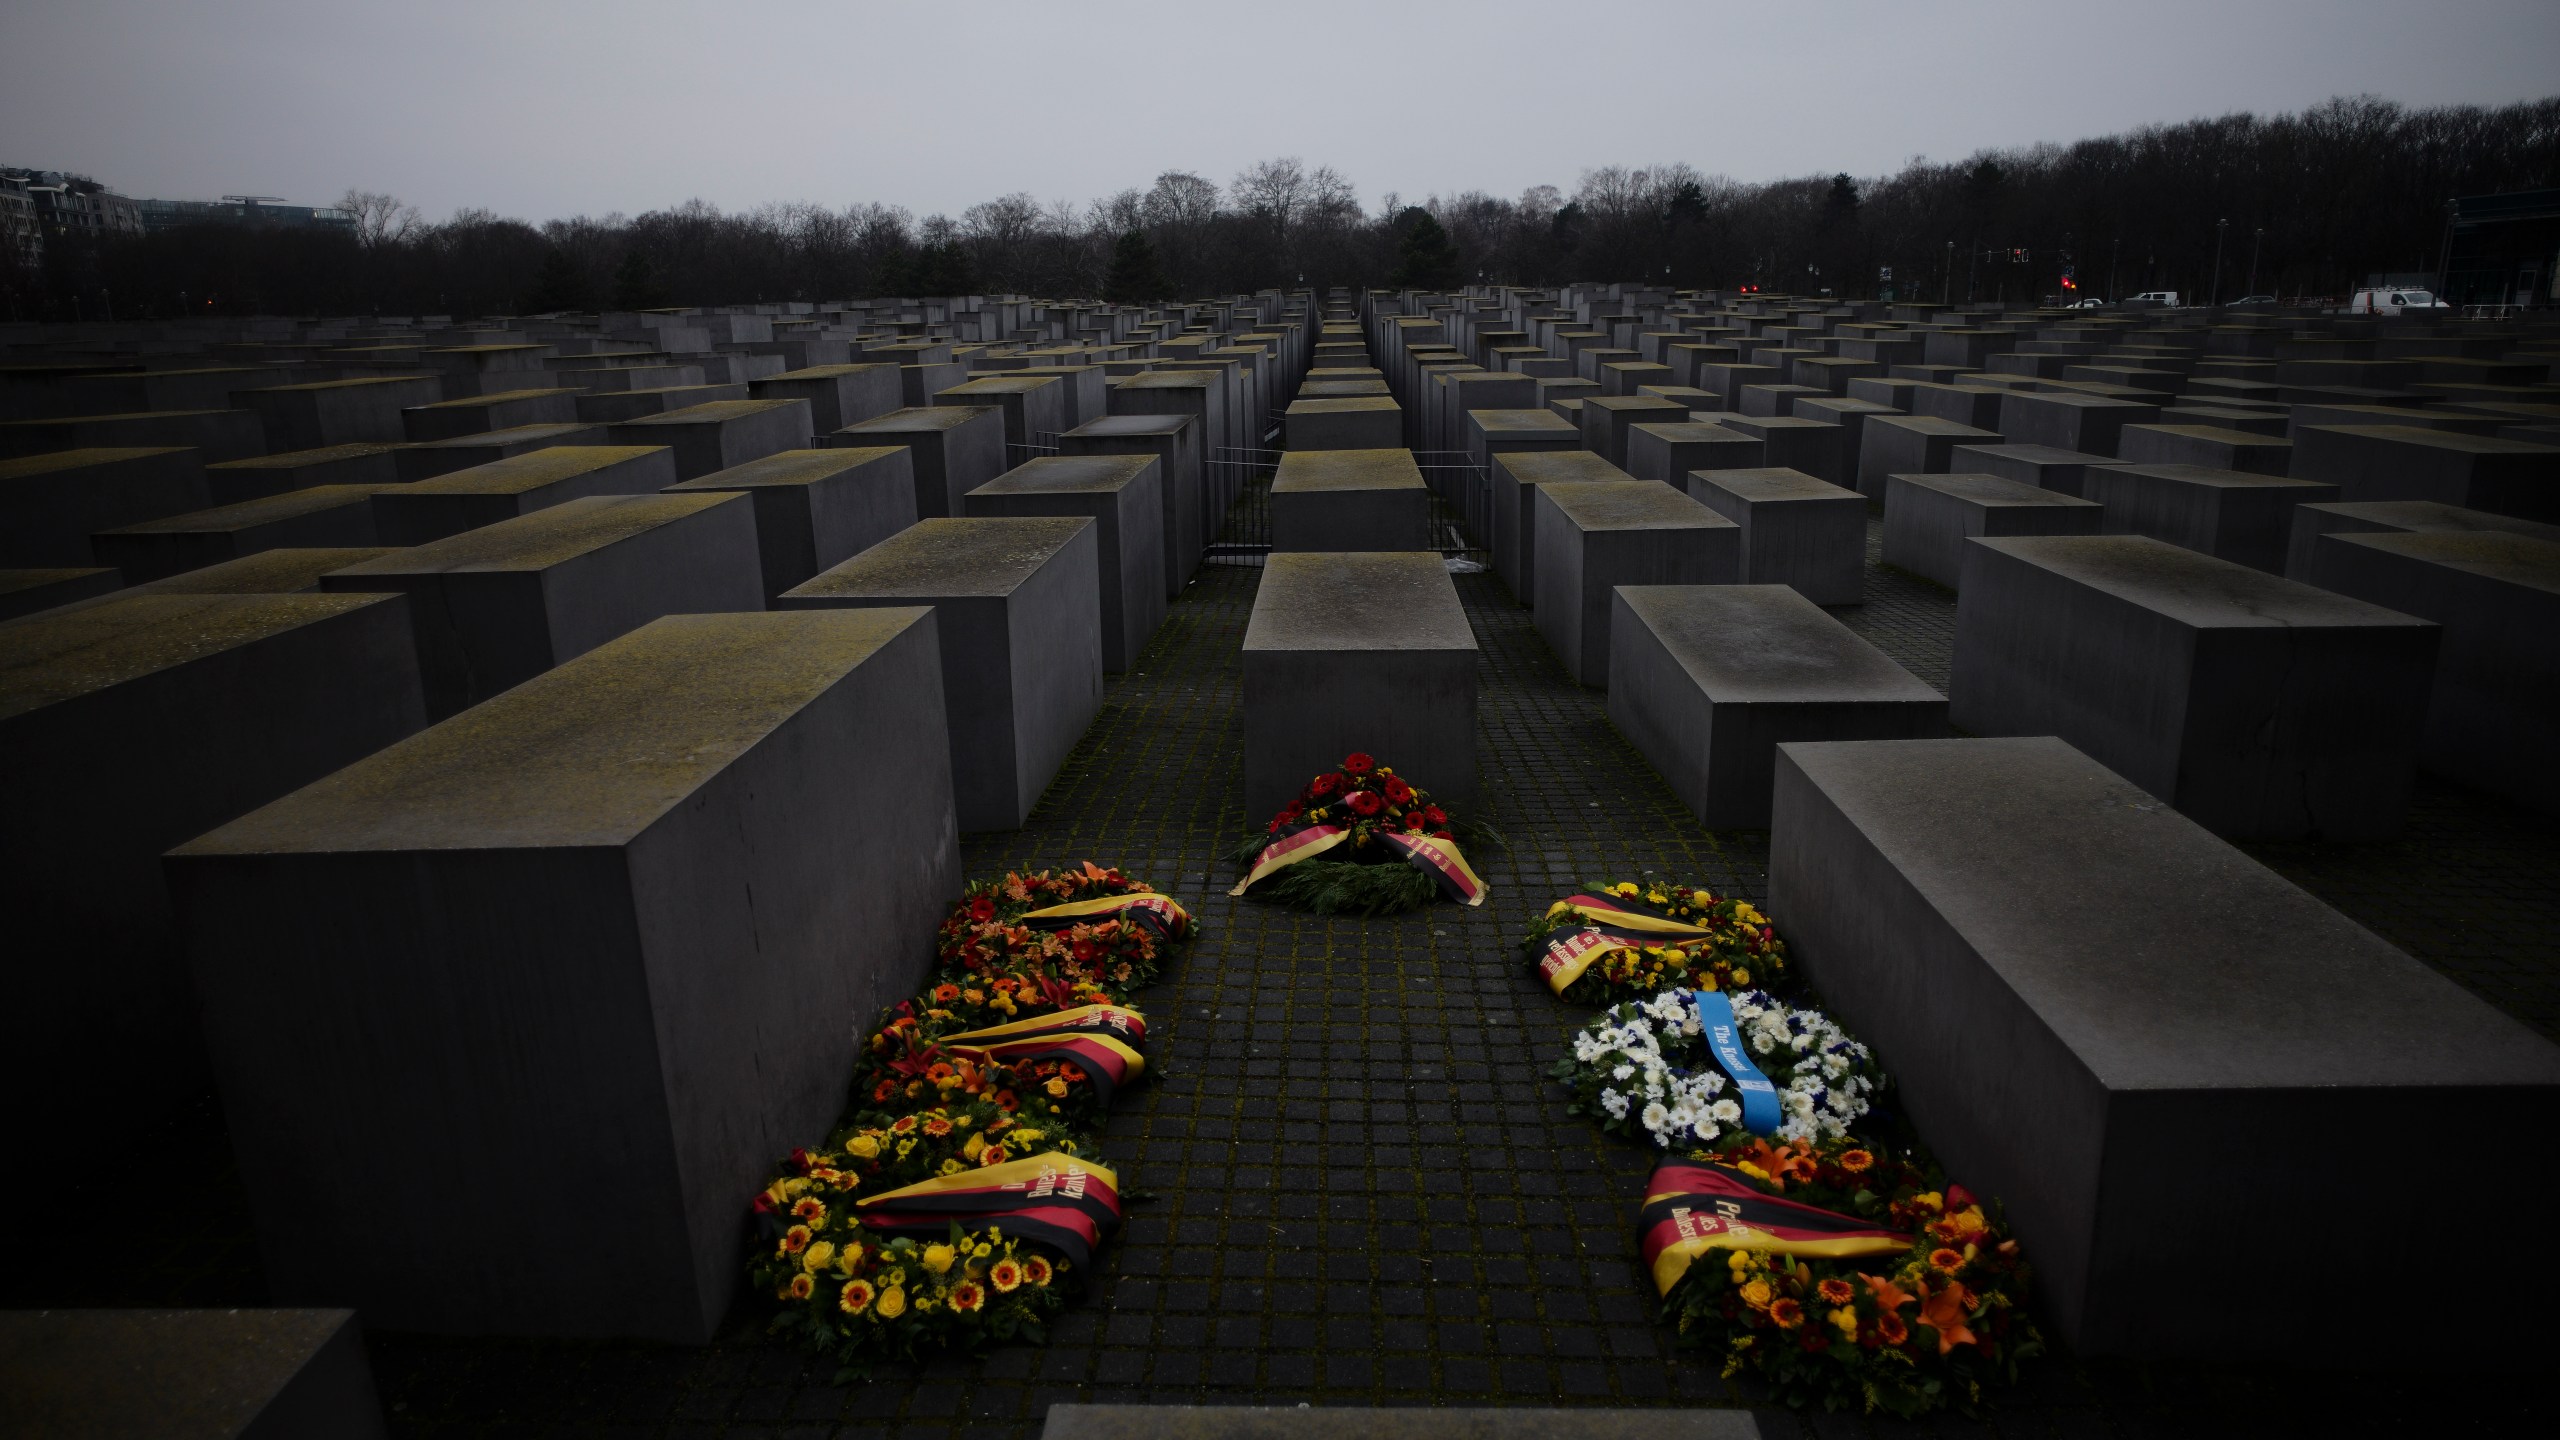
(545, 108)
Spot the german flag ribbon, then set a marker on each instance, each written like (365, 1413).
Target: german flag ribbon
(1156, 913)
(1101, 1040)
(1441, 860)
(1570, 954)
(1057, 1201)
(1289, 849)
(1691, 1208)
(1617, 913)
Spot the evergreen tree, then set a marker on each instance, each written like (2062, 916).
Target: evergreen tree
(558, 285)
(635, 283)
(1135, 278)
(946, 270)
(1425, 260)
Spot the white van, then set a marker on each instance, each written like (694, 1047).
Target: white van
(2393, 302)
(2156, 297)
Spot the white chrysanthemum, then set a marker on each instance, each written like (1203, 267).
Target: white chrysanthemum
(1614, 1103)
(1726, 1111)
(1654, 1115)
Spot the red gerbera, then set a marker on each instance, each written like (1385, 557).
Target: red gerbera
(1398, 792)
(1435, 817)
(1364, 802)
(1358, 763)
(982, 908)
(1325, 784)
(1413, 824)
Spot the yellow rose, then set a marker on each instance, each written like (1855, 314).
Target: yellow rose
(862, 1147)
(1741, 976)
(891, 1304)
(1057, 1087)
(1847, 1321)
(938, 1258)
(1757, 1294)
(816, 1256)
(976, 1147)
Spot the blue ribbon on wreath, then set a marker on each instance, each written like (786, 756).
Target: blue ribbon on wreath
(1760, 1112)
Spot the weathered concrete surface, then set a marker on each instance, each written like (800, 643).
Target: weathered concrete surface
(628, 918)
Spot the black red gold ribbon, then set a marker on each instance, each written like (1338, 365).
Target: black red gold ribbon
(1614, 924)
(1692, 1208)
(1302, 843)
(1155, 913)
(1440, 860)
(1100, 1040)
(1437, 858)
(1057, 1201)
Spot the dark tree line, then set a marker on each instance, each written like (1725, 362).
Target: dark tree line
(2314, 200)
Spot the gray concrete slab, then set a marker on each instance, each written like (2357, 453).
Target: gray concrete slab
(188, 1374)
(1929, 518)
(1175, 442)
(1707, 680)
(957, 448)
(1368, 652)
(2401, 462)
(721, 434)
(1350, 500)
(2060, 471)
(2311, 521)
(1124, 494)
(467, 499)
(1911, 445)
(495, 606)
(1018, 606)
(563, 932)
(323, 515)
(1592, 538)
(2241, 517)
(817, 508)
(2493, 713)
(134, 707)
(2261, 707)
(1795, 530)
(1516, 477)
(2080, 992)
(51, 504)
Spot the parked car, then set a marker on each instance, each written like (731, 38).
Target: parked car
(2260, 300)
(2156, 297)
(2087, 304)
(2392, 302)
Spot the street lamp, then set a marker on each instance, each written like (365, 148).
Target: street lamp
(1946, 286)
(2220, 227)
(2257, 239)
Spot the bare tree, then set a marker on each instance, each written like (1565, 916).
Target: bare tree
(380, 219)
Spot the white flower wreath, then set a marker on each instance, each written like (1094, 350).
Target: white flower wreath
(1649, 1059)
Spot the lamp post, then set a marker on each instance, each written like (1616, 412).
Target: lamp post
(2220, 228)
(2257, 241)
(2115, 253)
(1946, 287)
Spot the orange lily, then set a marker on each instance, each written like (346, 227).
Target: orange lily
(1944, 1311)
(1889, 1296)
(1781, 1163)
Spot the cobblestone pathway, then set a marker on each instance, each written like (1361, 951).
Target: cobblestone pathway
(1356, 1187)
